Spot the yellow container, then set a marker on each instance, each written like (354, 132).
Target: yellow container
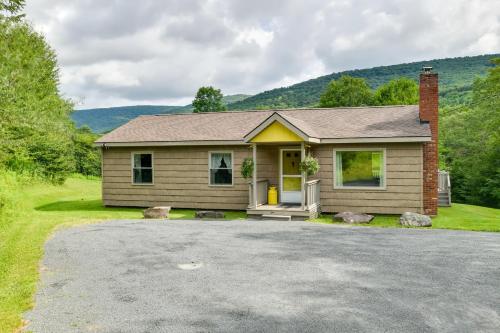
(272, 195)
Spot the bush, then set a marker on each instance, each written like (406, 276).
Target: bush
(87, 156)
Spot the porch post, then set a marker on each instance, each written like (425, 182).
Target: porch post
(254, 176)
(303, 178)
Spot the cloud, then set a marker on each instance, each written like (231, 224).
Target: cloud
(157, 52)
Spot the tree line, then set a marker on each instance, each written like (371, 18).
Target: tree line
(469, 145)
(37, 135)
(346, 91)
(456, 76)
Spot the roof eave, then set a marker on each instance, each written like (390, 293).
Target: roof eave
(277, 117)
(378, 140)
(170, 143)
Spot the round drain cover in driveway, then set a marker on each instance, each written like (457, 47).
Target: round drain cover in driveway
(190, 266)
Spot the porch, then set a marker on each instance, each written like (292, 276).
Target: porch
(278, 165)
(278, 148)
(262, 209)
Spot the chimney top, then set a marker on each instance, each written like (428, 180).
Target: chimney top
(426, 69)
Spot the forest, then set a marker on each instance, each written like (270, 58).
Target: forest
(456, 76)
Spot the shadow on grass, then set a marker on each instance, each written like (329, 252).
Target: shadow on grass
(81, 205)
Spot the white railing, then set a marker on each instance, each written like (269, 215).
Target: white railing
(443, 181)
(312, 194)
(444, 184)
(262, 186)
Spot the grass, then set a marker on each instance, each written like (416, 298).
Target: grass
(457, 217)
(42, 209)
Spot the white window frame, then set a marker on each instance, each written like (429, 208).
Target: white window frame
(132, 154)
(210, 167)
(384, 161)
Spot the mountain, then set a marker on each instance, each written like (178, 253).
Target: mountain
(456, 76)
(103, 120)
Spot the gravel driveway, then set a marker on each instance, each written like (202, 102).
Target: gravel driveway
(265, 276)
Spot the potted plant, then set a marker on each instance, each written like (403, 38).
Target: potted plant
(309, 165)
(247, 168)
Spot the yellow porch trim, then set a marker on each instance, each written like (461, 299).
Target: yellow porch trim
(276, 132)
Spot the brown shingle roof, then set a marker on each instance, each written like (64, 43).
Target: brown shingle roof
(337, 123)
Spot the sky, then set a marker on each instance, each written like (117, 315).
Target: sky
(115, 53)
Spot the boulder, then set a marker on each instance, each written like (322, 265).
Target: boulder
(209, 214)
(156, 213)
(409, 219)
(350, 217)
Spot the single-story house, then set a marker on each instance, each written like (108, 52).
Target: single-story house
(372, 159)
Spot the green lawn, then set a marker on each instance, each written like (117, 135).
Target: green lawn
(459, 217)
(41, 210)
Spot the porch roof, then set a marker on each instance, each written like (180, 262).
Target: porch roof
(356, 124)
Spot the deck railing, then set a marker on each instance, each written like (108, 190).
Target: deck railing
(262, 186)
(312, 194)
(444, 188)
(443, 181)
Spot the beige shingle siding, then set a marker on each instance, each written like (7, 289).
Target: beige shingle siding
(181, 179)
(404, 182)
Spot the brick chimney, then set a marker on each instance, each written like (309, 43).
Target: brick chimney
(428, 108)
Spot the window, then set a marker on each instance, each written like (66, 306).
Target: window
(142, 168)
(359, 168)
(221, 168)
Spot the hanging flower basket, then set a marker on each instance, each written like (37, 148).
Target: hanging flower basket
(247, 168)
(309, 165)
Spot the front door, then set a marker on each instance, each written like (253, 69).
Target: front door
(290, 177)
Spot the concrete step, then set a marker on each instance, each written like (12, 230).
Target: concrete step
(274, 217)
(443, 203)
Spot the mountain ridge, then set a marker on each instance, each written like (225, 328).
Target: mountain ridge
(456, 76)
(102, 120)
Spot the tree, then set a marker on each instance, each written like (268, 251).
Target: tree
(470, 143)
(9, 9)
(400, 91)
(208, 99)
(87, 156)
(346, 91)
(35, 128)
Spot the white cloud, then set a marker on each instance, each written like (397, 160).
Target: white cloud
(157, 52)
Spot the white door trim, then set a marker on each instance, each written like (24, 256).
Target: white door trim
(284, 199)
